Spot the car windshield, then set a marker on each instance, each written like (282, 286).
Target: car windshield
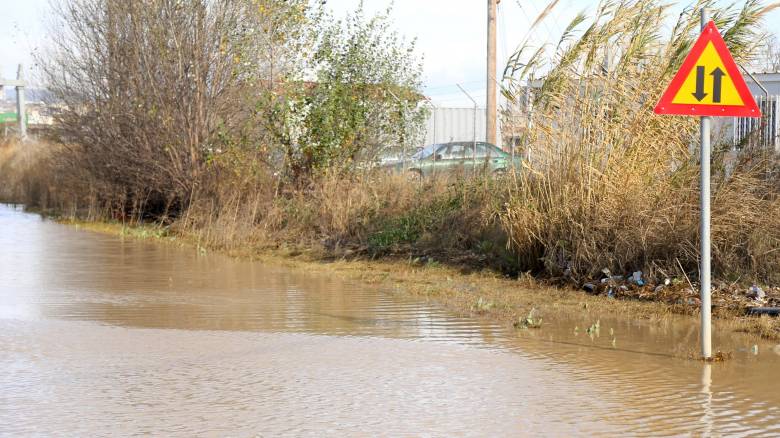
(425, 152)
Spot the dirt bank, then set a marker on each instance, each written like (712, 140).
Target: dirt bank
(481, 294)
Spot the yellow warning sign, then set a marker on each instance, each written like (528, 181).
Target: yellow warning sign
(708, 83)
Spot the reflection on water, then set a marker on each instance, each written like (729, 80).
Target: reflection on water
(706, 391)
(138, 338)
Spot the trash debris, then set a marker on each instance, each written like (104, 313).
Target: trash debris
(754, 300)
(756, 293)
(636, 278)
(720, 356)
(771, 311)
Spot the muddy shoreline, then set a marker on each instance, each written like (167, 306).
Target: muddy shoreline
(484, 294)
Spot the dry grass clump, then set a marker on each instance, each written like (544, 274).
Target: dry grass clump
(368, 213)
(33, 173)
(612, 185)
(764, 326)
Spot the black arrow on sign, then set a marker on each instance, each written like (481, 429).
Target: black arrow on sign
(717, 74)
(700, 94)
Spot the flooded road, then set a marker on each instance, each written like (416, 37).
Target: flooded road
(103, 336)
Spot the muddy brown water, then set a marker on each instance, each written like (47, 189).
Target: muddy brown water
(101, 336)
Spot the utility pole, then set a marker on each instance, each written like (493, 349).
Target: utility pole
(491, 125)
(19, 84)
(20, 103)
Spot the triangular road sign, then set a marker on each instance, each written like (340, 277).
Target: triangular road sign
(708, 82)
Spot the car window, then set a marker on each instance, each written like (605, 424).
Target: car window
(455, 152)
(483, 150)
(495, 150)
(424, 153)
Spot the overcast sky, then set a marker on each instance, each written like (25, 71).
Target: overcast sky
(450, 34)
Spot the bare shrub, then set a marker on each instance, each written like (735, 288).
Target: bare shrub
(146, 88)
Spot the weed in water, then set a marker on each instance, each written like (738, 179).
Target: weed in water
(482, 305)
(532, 321)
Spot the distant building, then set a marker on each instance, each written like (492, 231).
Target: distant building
(40, 114)
(764, 131)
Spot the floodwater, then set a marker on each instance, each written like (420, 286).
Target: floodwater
(101, 336)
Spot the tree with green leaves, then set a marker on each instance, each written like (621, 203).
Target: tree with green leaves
(354, 96)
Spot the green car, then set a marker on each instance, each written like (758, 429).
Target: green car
(459, 157)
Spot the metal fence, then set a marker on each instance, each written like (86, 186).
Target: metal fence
(762, 132)
(455, 124)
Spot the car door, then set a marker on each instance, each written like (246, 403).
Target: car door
(483, 156)
(435, 162)
(475, 161)
(452, 159)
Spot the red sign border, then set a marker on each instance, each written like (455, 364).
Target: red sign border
(710, 34)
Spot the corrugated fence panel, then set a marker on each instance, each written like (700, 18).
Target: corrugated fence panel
(455, 124)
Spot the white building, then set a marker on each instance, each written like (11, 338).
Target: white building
(766, 130)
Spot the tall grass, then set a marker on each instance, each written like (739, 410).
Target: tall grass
(612, 185)
(370, 214)
(31, 174)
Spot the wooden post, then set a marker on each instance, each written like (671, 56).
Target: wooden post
(491, 125)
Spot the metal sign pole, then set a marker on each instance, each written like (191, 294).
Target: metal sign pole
(691, 93)
(704, 268)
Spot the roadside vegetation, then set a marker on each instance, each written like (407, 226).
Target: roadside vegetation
(256, 124)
